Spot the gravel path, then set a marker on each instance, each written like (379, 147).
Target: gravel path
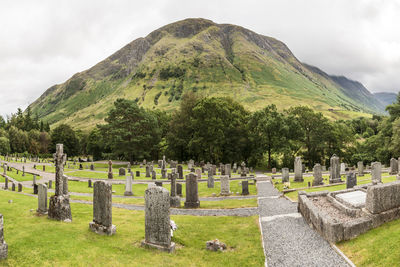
(287, 239)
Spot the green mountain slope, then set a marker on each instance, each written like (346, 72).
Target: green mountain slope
(211, 59)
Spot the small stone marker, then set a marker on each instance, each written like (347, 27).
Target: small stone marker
(210, 180)
(90, 183)
(50, 184)
(44, 168)
(42, 199)
(164, 173)
(360, 167)
(13, 186)
(273, 170)
(351, 180)
(147, 171)
(157, 220)
(110, 170)
(318, 180)
(122, 172)
(102, 209)
(298, 170)
(23, 171)
(5, 183)
(175, 200)
(245, 188)
(225, 185)
(158, 183)
(285, 175)
(3, 244)
(198, 173)
(192, 195)
(153, 175)
(128, 186)
(19, 187)
(137, 173)
(92, 167)
(34, 179)
(80, 166)
(394, 166)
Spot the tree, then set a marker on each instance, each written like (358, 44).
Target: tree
(4, 145)
(64, 134)
(44, 142)
(131, 131)
(95, 144)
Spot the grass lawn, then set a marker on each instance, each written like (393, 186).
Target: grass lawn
(38, 241)
(377, 247)
(20, 178)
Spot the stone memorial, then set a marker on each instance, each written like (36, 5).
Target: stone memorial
(317, 175)
(192, 194)
(179, 189)
(225, 185)
(360, 167)
(210, 180)
(102, 209)
(128, 185)
(110, 170)
(334, 173)
(180, 172)
(90, 183)
(157, 219)
(198, 173)
(298, 170)
(42, 199)
(153, 175)
(394, 166)
(228, 170)
(137, 173)
(175, 200)
(19, 187)
(342, 167)
(273, 170)
(148, 171)
(376, 172)
(245, 188)
(285, 175)
(3, 244)
(121, 172)
(351, 180)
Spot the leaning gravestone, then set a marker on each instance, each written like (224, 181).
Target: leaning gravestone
(298, 170)
(42, 199)
(128, 185)
(210, 180)
(225, 185)
(192, 194)
(175, 200)
(102, 209)
(360, 167)
(59, 207)
(3, 244)
(157, 220)
(285, 175)
(334, 173)
(317, 175)
(394, 166)
(351, 180)
(110, 170)
(376, 175)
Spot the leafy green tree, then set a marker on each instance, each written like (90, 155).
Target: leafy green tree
(95, 145)
(44, 142)
(4, 145)
(131, 131)
(64, 134)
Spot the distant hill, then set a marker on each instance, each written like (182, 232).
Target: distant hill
(211, 59)
(386, 98)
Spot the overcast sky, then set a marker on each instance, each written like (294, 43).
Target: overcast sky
(45, 42)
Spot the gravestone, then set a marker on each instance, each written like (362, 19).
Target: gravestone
(102, 209)
(351, 180)
(245, 188)
(121, 172)
(243, 170)
(128, 185)
(158, 183)
(192, 194)
(137, 173)
(23, 171)
(5, 183)
(342, 167)
(19, 187)
(59, 206)
(42, 199)
(80, 166)
(376, 172)
(129, 167)
(153, 175)
(285, 175)
(13, 186)
(50, 184)
(90, 183)
(35, 189)
(334, 173)
(180, 172)
(157, 220)
(164, 173)
(228, 170)
(210, 180)
(225, 185)
(44, 168)
(179, 189)
(34, 179)
(298, 170)
(273, 170)
(360, 167)
(394, 166)
(317, 175)
(3, 244)
(147, 171)
(175, 200)
(198, 173)
(92, 167)
(110, 170)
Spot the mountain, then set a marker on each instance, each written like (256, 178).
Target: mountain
(386, 98)
(211, 59)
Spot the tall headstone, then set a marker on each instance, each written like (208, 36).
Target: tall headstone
(285, 175)
(245, 188)
(180, 172)
(153, 175)
(3, 244)
(210, 180)
(298, 170)
(342, 167)
(376, 172)
(334, 173)
(175, 200)
(128, 185)
(157, 220)
(110, 170)
(351, 180)
(228, 170)
(317, 175)
(23, 171)
(192, 193)
(394, 166)
(42, 199)
(137, 173)
(148, 171)
(5, 183)
(102, 209)
(225, 191)
(59, 207)
(179, 189)
(360, 167)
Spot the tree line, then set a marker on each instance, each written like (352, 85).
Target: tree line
(213, 129)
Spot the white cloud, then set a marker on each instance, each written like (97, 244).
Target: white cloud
(45, 42)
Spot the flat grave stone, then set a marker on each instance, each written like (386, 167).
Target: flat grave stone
(354, 198)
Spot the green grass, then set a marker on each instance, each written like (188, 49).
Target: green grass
(38, 241)
(377, 247)
(28, 177)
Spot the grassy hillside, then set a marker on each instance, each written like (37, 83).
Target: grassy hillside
(210, 59)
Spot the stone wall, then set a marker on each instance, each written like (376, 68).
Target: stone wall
(383, 197)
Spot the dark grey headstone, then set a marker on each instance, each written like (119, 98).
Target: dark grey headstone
(245, 188)
(102, 209)
(192, 195)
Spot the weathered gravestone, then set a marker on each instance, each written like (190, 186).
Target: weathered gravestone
(210, 180)
(50, 184)
(157, 220)
(121, 172)
(137, 173)
(42, 199)
(19, 187)
(342, 167)
(351, 180)
(3, 244)
(285, 175)
(228, 170)
(376, 172)
(23, 171)
(59, 206)
(394, 166)
(13, 186)
(245, 188)
(110, 170)
(192, 194)
(153, 175)
(317, 175)
(102, 209)
(44, 168)
(225, 185)
(360, 167)
(158, 183)
(35, 189)
(80, 166)
(179, 189)
(164, 173)
(334, 173)
(198, 173)
(175, 200)
(180, 172)
(90, 183)
(92, 167)
(128, 185)
(273, 170)
(147, 171)
(298, 170)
